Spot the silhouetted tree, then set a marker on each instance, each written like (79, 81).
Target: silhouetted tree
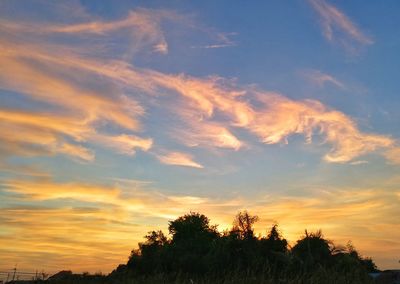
(192, 240)
(243, 225)
(275, 241)
(191, 226)
(366, 263)
(148, 258)
(274, 248)
(195, 248)
(312, 250)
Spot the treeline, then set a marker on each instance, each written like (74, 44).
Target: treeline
(197, 251)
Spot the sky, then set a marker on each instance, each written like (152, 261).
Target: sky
(118, 116)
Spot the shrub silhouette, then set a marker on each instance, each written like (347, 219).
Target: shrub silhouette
(196, 249)
(313, 251)
(149, 257)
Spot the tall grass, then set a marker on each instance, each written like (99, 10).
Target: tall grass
(320, 276)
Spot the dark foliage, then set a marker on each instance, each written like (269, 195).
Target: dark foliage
(196, 250)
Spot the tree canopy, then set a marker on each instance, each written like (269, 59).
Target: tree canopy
(196, 248)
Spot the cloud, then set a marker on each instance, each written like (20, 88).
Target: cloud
(82, 239)
(189, 199)
(46, 84)
(202, 133)
(76, 101)
(207, 112)
(360, 162)
(179, 159)
(393, 155)
(320, 79)
(48, 133)
(363, 216)
(282, 117)
(223, 40)
(112, 213)
(76, 150)
(87, 228)
(73, 93)
(271, 116)
(336, 26)
(47, 190)
(216, 46)
(142, 26)
(62, 75)
(125, 144)
(42, 120)
(209, 95)
(29, 134)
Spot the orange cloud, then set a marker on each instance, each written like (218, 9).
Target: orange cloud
(209, 95)
(124, 144)
(393, 155)
(273, 118)
(209, 109)
(47, 190)
(76, 150)
(49, 131)
(66, 125)
(81, 239)
(86, 93)
(29, 133)
(46, 85)
(84, 237)
(179, 159)
(363, 216)
(202, 133)
(283, 117)
(76, 120)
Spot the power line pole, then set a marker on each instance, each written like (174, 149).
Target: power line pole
(15, 271)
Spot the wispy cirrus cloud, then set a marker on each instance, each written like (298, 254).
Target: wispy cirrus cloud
(142, 26)
(209, 110)
(272, 117)
(61, 81)
(124, 143)
(75, 100)
(282, 117)
(336, 26)
(320, 78)
(179, 159)
(25, 133)
(223, 40)
(359, 162)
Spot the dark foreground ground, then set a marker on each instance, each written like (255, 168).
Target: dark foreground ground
(322, 276)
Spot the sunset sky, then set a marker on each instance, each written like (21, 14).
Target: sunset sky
(117, 116)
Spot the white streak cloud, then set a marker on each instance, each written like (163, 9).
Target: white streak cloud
(179, 159)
